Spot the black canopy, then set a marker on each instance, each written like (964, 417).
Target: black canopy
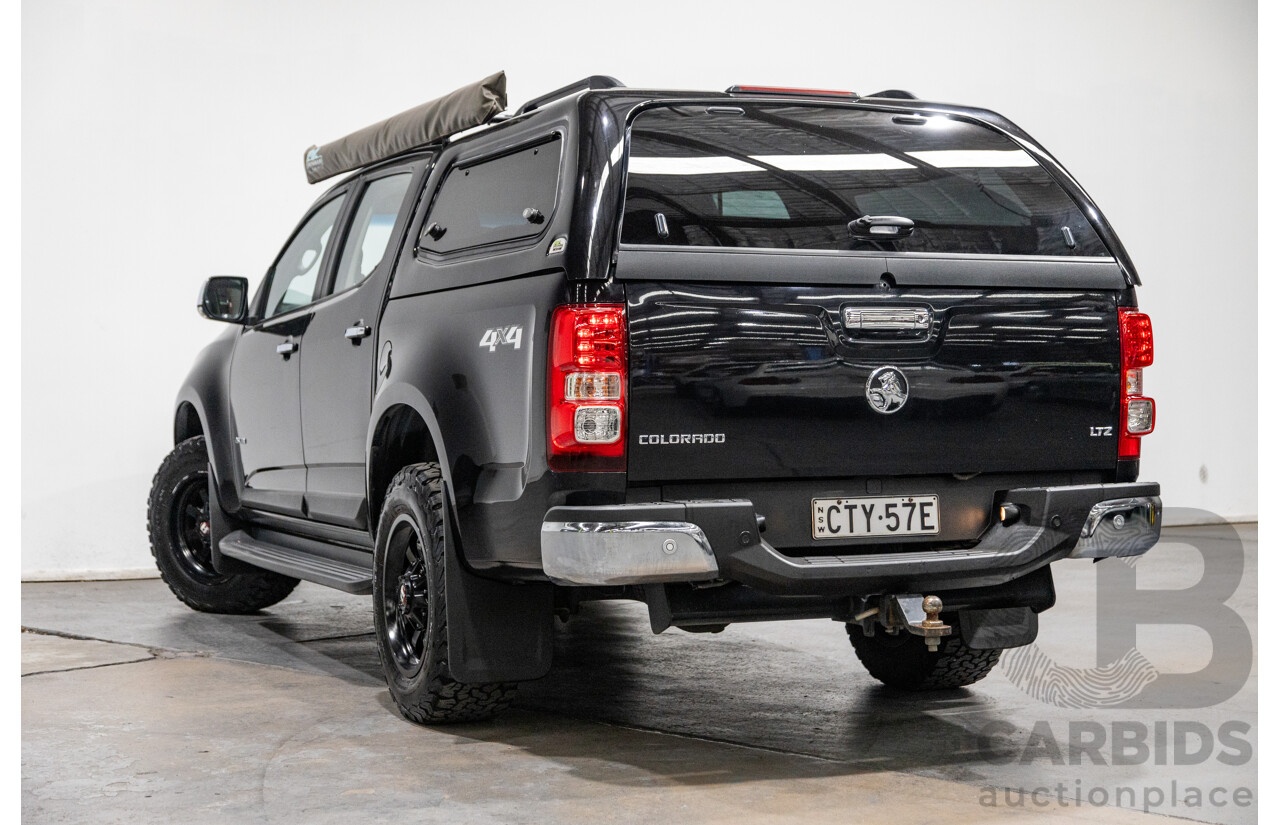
(469, 106)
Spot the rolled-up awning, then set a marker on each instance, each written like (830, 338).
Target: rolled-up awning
(469, 106)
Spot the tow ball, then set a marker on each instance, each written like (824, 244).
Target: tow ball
(915, 614)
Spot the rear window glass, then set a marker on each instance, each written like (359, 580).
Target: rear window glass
(370, 231)
(503, 199)
(793, 177)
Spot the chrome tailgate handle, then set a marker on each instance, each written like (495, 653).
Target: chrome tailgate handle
(888, 319)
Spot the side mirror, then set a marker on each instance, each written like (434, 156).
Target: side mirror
(225, 298)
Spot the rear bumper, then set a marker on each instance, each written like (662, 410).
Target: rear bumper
(719, 539)
(1120, 527)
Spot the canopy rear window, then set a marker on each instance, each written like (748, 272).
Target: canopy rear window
(787, 176)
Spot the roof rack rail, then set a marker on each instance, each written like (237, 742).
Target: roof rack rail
(595, 81)
(897, 94)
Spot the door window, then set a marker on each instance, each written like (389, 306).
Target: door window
(293, 279)
(370, 231)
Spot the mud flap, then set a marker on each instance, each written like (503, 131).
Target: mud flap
(999, 628)
(220, 526)
(498, 631)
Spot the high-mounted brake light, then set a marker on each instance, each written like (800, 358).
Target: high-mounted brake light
(587, 388)
(783, 90)
(1137, 412)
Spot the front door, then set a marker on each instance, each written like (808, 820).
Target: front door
(341, 349)
(266, 370)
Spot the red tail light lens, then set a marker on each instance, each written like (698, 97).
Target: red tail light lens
(1137, 346)
(1137, 412)
(587, 388)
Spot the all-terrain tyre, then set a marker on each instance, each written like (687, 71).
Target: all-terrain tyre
(409, 607)
(178, 526)
(903, 660)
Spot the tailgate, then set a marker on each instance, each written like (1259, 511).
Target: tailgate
(753, 381)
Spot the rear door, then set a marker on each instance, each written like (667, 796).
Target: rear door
(341, 350)
(768, 342)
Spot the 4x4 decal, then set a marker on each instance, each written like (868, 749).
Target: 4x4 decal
(502, 335)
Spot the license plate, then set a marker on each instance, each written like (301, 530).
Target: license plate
(846, 518)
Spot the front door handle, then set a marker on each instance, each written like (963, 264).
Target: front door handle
(358, 332)
(287, 348)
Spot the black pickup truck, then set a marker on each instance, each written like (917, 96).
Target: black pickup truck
(752, 355)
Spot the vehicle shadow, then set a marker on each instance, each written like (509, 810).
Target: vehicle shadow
(778, 704)
(741, 690)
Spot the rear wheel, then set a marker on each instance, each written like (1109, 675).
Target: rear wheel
(903, 661)
(182, 542)
(409, 607)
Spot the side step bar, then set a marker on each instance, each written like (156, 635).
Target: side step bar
(333, 566)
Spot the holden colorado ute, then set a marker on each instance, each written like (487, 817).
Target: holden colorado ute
(752, 355)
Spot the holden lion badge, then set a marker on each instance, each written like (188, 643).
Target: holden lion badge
(887, 390)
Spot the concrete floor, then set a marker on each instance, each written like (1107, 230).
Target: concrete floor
(138, 710)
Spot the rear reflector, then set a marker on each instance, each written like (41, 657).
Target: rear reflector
(1137, 412)
(587, 387)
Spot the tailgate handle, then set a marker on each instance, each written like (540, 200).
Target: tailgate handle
(880, 319)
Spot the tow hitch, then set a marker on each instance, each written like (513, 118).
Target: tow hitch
(915, 614)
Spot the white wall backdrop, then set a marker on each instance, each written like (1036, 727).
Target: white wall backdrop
(163, 143)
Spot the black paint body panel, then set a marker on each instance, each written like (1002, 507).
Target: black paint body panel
(1004, 381)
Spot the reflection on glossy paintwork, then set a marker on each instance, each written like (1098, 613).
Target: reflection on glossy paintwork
(756, 360)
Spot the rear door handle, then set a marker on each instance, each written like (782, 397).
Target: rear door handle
(287, 348)
(357, 332)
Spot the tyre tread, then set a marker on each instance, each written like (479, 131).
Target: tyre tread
(442, 699)
(913, 667)
(237, 593)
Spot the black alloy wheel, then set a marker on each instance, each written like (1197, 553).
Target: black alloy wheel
(410, 610)
(190, 526)
(405, 597)
(181, 529)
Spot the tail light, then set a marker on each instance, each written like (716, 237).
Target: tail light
(1137, 412)
(587, 388)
